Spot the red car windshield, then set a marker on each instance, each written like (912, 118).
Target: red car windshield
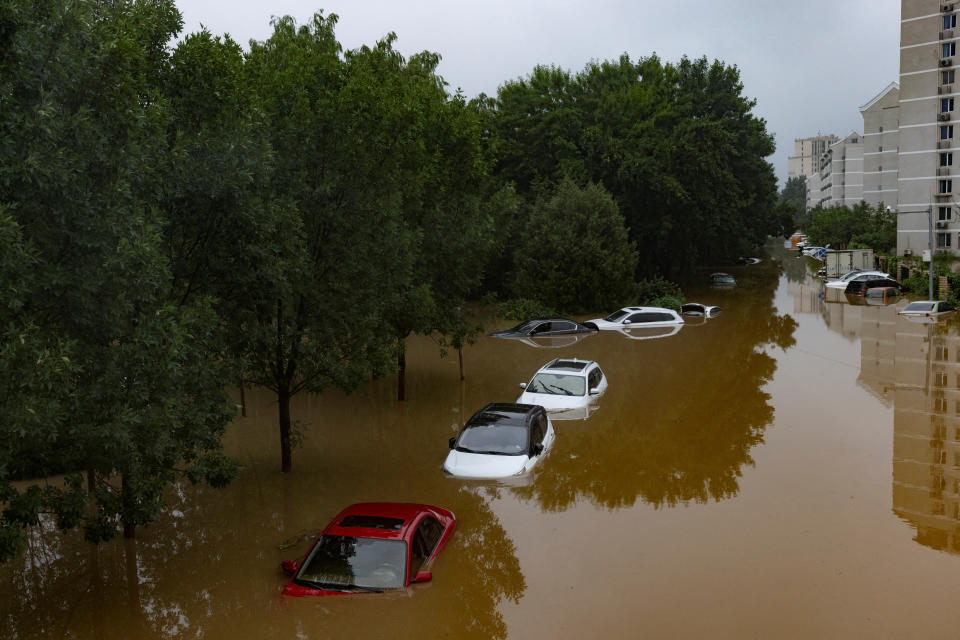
(345, 563)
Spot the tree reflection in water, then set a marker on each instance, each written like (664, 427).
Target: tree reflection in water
(685, 432)
(209, 569)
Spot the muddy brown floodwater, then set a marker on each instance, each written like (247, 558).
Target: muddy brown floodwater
(789, 469)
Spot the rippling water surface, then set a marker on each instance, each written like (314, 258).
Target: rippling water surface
(790, 468)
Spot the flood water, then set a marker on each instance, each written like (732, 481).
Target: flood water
(790, 468)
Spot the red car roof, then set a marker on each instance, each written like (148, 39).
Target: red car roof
(396, 510)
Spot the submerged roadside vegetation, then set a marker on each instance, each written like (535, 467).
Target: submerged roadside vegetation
(178, 219)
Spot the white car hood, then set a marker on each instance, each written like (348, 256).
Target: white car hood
(483, 465)
(554, 401)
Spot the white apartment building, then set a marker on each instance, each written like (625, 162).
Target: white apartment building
(841, 173)
(929, 128)
(881, 130)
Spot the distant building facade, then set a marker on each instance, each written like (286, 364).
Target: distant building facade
(806, 155)
(838, 179)
(881, 144)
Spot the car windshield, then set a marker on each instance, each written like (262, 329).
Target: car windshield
(498, 438)
(920, 306)
(348, 563)
(557, 384)
(851, 275)
(616, 315)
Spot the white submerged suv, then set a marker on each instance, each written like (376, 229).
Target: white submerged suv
(636, 317)
(565, 387)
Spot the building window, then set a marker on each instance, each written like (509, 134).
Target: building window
(946, 131)
(942, 353)
(943, 242)
(944, 186)
(946, 104)
(881, 129)
(946, 77)
(939, 377)
(943, 213)
(949, 49)
(946, 159)
(950, 21)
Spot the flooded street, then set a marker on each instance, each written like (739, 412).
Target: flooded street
(790, 468)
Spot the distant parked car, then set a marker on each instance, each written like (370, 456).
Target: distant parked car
(859, 286)
(500, 440)
(927, 308)
(747, 261)
(372, 546)
(628, 317)
(543, 327)
(697, 309)
(882, 292)
(722, 280)
(546, 332)
(564, 384)
(855, 276)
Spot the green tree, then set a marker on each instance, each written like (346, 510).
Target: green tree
(856, 226)
(575, 255)
(676, 145)
(336, 182)
(81, 155)
(795, 192)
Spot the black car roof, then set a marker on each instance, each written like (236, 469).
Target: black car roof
(505, 413)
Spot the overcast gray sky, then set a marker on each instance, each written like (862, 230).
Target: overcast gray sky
(809, 65)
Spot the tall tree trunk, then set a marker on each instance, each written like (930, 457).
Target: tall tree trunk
(460, 355)
(243, 400)
(126, 507)
(283, 406)
(402, 372)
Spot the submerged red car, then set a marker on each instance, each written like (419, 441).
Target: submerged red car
(372, 546)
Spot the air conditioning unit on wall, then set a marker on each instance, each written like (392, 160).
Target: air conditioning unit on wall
(946, 62)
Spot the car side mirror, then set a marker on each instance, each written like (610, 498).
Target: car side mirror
(452, 442)
(523, 385)
(538, 448)
(626, 322)
(594, 391)
(289, 567)
(422, 576)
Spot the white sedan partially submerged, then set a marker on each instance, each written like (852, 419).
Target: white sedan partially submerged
(565, 387)
(499, 441)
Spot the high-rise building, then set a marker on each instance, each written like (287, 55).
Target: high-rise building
(929, 129)
(806, 155)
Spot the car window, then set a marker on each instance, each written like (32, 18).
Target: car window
(616, 315)
(538, 429)
(557, 384)
(543, 327)
(432, 530)
(498, 439)
(419, 551)
(650, 317)
(563, 326)
(595, 377)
